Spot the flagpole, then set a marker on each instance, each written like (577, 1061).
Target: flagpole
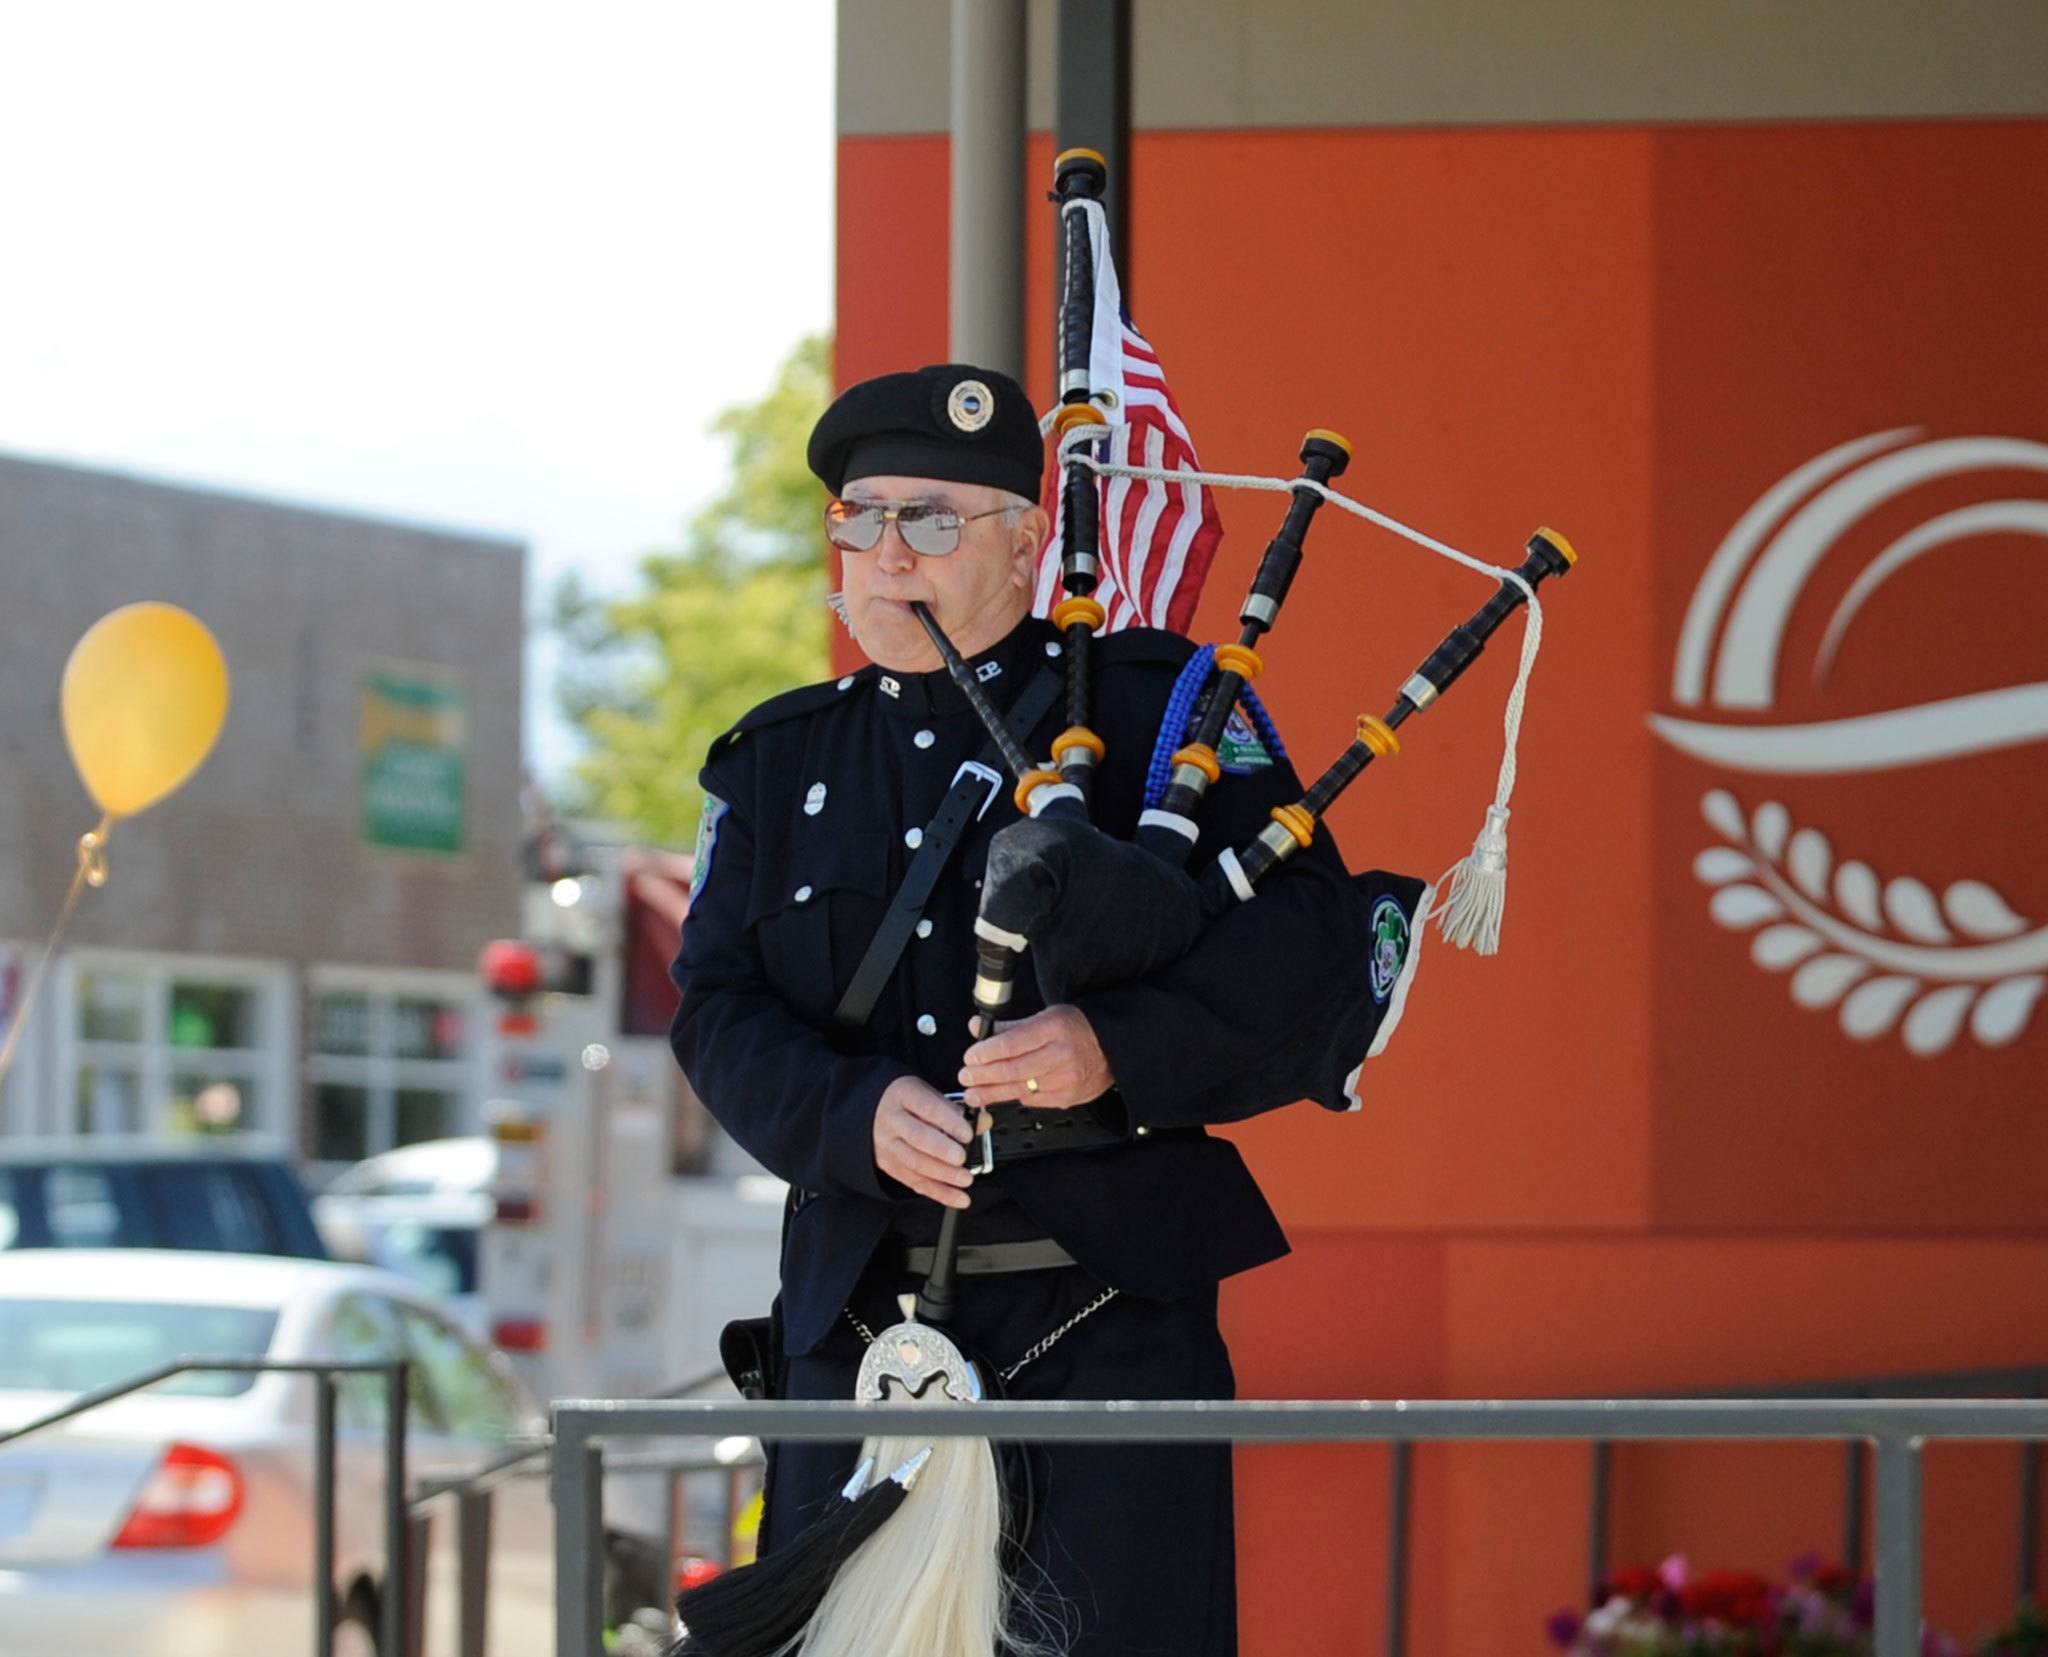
(1092, 104)
(988, 193)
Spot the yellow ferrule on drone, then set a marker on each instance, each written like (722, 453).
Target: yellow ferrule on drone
(1076, 154)
(1030, 783)
(1297, 821)
(1329, 436)
(1077, 736)
(1378, 735)
(1558, 541)
(1078, 608)
(1240, 659)
(1202, 758)
(1076, 414)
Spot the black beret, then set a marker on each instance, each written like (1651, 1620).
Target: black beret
(951, 421)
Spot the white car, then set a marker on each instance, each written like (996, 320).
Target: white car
(419, 1211)
(179, 1522)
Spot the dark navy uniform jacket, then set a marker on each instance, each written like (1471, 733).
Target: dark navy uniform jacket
(825, 790)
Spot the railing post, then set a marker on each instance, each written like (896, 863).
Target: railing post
(391, 1602)
(419, 1542)
(1855, 1500)
(2030, 1519)
(1898, 1546)
(1397, 1547)
(326, 1612)
(472, 1571)
(576, 1484)
(674, 1531)
(732, 1517)
(1596, 1519)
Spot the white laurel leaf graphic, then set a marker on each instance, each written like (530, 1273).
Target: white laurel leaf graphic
(1873, 1007)
(1771, 824)
(1937, 1019)
(1744, 906)
(1974, 908)
(1779, 947)
(1822, 980)
(1811, 861)
(1888, 954)
(1719, 864)
(1914, 912)
(2003, 1012)
(1721, 812)
(1856, 891)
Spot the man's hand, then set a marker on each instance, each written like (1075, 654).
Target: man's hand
(1056, 1049)
(919, 1135)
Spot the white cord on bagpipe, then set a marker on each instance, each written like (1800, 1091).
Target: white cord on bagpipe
(1476, 886)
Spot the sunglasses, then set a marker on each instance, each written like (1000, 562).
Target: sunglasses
(926, 527)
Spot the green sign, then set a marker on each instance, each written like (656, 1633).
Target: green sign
(415, 750)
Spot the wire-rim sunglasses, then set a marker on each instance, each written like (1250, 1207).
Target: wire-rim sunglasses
(927, 528)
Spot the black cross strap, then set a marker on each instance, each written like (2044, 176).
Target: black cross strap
(975, 787)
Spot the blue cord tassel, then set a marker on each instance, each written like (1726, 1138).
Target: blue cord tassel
(1178, 724)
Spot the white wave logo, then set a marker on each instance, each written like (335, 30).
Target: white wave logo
(1884, 951)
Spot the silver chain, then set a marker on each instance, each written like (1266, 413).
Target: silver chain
(1038, 1348)
(1041, 1348)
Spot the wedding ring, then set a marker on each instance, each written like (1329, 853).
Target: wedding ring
(1030, 1084)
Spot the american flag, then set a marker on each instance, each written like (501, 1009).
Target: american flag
(1157, 538)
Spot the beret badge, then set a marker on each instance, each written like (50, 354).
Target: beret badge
(970, 405)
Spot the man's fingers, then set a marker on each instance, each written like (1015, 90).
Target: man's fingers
(927, 1176)
(1023, 1038)
(942, 1114)
(928, 1141)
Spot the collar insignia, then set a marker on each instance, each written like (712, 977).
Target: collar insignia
(988, 671)
(891, 687)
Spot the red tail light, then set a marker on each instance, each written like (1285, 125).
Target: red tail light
(519, 1335)
(191, 1500)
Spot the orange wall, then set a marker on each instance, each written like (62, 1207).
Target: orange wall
(1618, 1156)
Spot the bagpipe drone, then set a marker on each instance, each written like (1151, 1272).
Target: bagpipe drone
(914, 1546)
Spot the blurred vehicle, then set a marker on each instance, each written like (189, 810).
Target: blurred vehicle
(215, 1194)
(179, 1522)
(419, 1211)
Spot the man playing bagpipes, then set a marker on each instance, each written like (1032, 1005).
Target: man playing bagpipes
(857, 816)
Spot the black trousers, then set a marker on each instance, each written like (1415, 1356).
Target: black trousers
(1131, 1549)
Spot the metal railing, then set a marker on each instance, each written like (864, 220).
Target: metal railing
(398, 1576)
(1896, 1429)
(471, 1493)
(2021, 1381)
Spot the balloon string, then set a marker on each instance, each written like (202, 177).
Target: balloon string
(92, 871)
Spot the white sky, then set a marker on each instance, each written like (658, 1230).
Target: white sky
(487, 266)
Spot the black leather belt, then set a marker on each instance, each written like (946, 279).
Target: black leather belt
(1020, 1131)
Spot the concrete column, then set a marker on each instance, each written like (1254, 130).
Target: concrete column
(987, 290)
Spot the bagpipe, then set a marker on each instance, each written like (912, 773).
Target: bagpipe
(1090, 910)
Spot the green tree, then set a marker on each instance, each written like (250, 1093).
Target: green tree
(734, 616)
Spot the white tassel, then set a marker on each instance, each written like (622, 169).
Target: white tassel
(1479, 889)
(929, 1583)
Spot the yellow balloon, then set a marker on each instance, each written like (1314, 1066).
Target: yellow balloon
(145, 696)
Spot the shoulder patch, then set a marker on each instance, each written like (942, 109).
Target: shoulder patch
(707, 842)
(1240, 750)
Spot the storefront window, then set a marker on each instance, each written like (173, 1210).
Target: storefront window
(341, 1115)
(111, 1006)
(212, 1016)
(168, 1044)
(109, 1100)
(390, 1063)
